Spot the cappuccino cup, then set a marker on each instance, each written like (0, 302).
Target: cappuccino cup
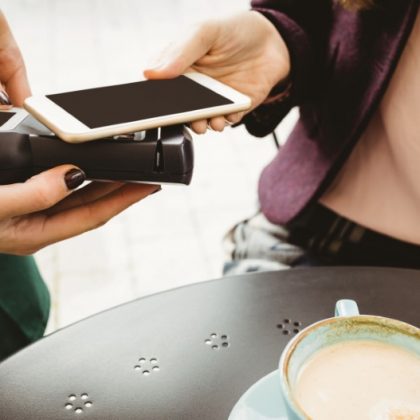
(352, 366)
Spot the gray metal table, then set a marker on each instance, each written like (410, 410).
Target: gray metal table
(188, 353)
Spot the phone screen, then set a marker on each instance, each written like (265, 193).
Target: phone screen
(5, 116)
(118, 104)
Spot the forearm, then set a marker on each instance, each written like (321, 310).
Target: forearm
(304, 27)
(277, 48)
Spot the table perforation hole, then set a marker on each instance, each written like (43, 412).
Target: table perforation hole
(216, 341)
(77, 402)
(288, 326)
(146, 366)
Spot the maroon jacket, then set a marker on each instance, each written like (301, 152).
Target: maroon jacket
(342, 63)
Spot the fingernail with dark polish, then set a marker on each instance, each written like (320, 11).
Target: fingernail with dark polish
(4, 98)
(74, 178)
(156, 191)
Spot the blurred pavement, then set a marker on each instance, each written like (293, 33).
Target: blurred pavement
(174, 237)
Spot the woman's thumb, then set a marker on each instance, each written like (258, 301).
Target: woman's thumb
(40, 192)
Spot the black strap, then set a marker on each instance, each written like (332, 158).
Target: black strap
(339, 241)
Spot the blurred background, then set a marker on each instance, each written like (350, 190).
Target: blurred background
(175, 237)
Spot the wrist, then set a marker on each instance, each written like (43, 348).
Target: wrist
(280, 92)
(277, 50)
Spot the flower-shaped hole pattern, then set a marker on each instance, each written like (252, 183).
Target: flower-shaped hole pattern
(146, 366)
(78, 403)
(289, 327)
(217, 341)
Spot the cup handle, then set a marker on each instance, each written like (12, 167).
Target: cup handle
(346, 307)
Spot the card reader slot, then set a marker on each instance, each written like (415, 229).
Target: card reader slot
(159, 164)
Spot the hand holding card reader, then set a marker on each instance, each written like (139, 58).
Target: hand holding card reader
(155, 156)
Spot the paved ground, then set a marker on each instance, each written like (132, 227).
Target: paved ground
(173, 238)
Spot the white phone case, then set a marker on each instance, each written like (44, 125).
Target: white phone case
(69, 129)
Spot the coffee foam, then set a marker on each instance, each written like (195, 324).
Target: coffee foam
(395, 410)
(363, 380)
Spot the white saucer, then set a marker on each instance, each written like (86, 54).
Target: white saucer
(263, 401)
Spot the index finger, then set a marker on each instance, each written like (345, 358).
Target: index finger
(13, 69)
(185, 54)
(17, 87)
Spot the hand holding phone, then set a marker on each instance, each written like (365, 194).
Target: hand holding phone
(244, 51)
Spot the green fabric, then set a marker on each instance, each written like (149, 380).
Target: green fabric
(12, 338)
(24, 302)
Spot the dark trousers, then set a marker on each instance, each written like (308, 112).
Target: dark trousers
(319, 237)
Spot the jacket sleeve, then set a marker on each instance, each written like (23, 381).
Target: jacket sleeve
(304, 26)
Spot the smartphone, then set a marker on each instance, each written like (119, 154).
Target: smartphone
(113, 110)
(10, 119)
